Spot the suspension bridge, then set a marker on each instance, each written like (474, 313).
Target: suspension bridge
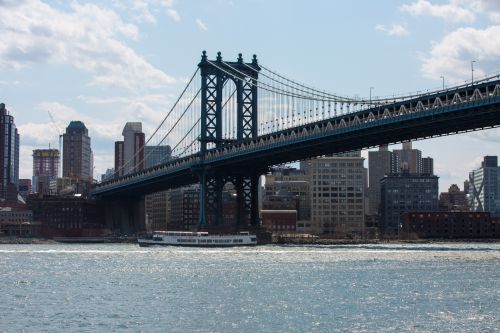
(242, 117)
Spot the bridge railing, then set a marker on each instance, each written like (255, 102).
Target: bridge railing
(462, 94)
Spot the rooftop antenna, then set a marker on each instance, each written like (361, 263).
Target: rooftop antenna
(60, 141)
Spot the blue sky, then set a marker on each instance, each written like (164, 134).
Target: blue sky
(109, 62)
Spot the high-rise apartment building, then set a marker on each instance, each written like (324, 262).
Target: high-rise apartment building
(9, 156)
(77, 152)
(338, 194)
(129, 153)
(406, 192)
(484, 187)
(45, 169)
(380, 163)
(410, 159)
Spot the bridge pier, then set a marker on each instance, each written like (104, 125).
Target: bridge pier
(125, 214)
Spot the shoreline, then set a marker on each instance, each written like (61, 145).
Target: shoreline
(282, 241)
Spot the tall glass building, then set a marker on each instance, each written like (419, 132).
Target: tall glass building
(9, 151)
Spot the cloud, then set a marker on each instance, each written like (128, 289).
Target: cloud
(201, 25)
(87, 37)
(451, 55)
(173, 14)
(393, 30)
(451, 12)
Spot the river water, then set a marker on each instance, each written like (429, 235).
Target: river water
(368, 288)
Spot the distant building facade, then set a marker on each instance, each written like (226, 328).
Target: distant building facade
(453, 200)
(410, 159)
(129, 153)
(403, 193)
(157, 204)
(380, 163)
(338, 195)
(45, 169)
(25, 188)
(77, 152)
(288, 187)
(449, 225)
(484, 187)
(9, 157)
(427, 166)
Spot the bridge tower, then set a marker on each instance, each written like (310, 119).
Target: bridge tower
(214, 75)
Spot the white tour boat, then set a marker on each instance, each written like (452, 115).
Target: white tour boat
(198, 239)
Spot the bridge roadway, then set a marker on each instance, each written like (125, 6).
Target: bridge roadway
(466, 108)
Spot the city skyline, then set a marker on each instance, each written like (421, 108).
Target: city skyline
(106, 65)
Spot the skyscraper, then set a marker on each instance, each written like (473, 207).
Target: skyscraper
(129, 153)
(9, 159)
(45, 169)
(380, 163)
(77, 153)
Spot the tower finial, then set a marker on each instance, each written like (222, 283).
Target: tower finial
(204, 56)
(254, 60)
(219, 57)
(240, 58)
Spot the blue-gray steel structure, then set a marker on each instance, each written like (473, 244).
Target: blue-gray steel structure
(241, 160)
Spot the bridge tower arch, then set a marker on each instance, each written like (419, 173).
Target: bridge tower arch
(214, 74)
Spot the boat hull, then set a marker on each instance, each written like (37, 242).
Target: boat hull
(200, 239)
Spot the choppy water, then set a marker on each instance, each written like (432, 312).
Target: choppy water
(378, 288)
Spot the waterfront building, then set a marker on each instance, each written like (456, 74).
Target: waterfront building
(380, 163)
(67, 216)
(453, 200)
(484, 187)
(410, 159)
(129, 153)
(17, 222)
(406, 192)
(9, 157)
(449, 225)
(45, 169)
(279, 221)
(67, 186)
(338, 195)
(77, 152)
(184, 208)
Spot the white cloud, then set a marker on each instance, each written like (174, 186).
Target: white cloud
(393, 30)
(451, 56)
(451, 12)
(201, 25)
(87, 38)
(173, 14)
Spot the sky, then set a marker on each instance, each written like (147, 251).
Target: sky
(109, 62)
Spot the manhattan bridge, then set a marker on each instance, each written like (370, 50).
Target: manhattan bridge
(234, 120)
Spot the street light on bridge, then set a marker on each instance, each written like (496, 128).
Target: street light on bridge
(472, 71)
(371, 95)
(442, 77)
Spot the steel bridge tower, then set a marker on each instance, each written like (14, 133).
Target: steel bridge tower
(214, 75)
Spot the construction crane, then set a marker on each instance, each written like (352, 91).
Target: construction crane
(60, 140)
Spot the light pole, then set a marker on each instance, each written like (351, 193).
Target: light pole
(442, 77)
(371, 96)
(472, 71)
